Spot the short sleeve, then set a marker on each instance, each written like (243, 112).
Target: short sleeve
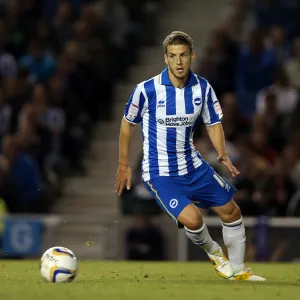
(136, 106)
(212, 111)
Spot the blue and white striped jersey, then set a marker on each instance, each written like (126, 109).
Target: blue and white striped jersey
(169, 117)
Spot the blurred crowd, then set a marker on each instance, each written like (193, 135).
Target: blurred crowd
(59, 60)
(252, 59)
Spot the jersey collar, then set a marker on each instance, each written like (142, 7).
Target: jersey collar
(165, 79)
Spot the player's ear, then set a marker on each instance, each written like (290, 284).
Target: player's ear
(166, 59)
(193, 56)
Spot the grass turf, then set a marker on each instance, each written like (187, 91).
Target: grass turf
(147, 281)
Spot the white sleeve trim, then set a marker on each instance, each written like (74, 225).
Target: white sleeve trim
(124, 117)
(208, 125)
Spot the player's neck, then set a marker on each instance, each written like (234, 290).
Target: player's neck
(177, 82)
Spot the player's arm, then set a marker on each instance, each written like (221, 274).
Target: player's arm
(133, 115)
(124, 171)
(126, 133)
(212, 116)
(216, 135)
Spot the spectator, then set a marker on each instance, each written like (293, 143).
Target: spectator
(40, 63)
(63, 28)
(19, 25)
(291, 162)
(242, 12)
(292, 65)
(286, 95)
(48, 37)
(233, 122)
(261, 148)
(22, 183)
(18, 97)
(8, 65)
(255, 68)
(276, 42)
(221, 53)
(5, 116)
(273, 121)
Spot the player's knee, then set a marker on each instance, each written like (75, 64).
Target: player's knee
(194, 223)
(233, 215)
(191, 217)
(236, 213)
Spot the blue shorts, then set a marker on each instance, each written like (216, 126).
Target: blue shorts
(204, 190)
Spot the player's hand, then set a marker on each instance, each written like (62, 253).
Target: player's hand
(225, 160)
(123, 178)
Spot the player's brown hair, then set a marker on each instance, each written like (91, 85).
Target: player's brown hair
(178, 38)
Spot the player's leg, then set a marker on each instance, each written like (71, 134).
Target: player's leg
(219, 195)
(212, 191)
(197, 231)
(170, 195)
(233, 233)
(235, 239)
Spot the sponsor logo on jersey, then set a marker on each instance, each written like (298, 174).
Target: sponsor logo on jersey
(177, 121)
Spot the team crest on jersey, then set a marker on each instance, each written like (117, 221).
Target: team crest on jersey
(173, 203)
(197, 101)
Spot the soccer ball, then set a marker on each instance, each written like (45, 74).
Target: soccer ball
(58, 264)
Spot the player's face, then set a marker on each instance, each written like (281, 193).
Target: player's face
(179, 59)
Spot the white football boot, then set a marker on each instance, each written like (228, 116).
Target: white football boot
(246, 274)
(221, 263)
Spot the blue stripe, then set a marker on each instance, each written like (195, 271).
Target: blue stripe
(165, 79)
(129, 101)
(143, 138)
(141, 106)
(171, 131)
(171, 100)
(189, 109)
(171, 150)
(188, 98)
(199, 155)
(188, 150)
(203, 86)
(152, 132)
(213, 116)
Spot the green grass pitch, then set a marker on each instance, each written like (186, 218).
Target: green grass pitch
(147, 281)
